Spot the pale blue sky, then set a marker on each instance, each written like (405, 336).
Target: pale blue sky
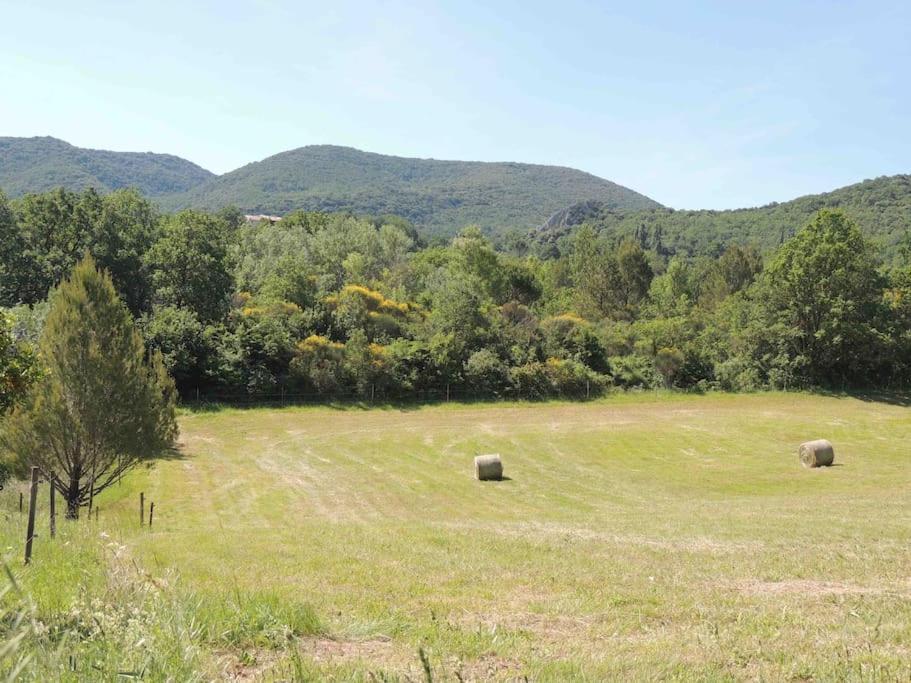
(698, 105)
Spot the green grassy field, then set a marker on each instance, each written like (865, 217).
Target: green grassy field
(638, 537)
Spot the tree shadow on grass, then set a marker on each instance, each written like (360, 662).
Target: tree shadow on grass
(214, 407)
(174, 453)
(900, 398)
(891, 398)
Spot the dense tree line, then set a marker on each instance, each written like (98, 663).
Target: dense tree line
(336, 305)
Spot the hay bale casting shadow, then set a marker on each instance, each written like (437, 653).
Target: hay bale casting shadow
(488, 468)
(817, 453)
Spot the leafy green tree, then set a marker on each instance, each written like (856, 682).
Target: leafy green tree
(635, 273)
(290, 280)
(182, 340)
(100, 406)
(475, 256)
(17, 265)
(189, 265)
(265, 339)
(48, 233)
(671, 293)
(824, 284)
(124, 230)
(598, 282)
(486, 373)
(739, 267)
(669, 361)
(460, 312)
(54, 230)
(569, 337)
(363, 363)
(520, 283)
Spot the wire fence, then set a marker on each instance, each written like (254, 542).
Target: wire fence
(377, 395)
(374, 395)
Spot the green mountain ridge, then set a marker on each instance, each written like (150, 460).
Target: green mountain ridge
(43, 163)
(880, 206)
(439, 196)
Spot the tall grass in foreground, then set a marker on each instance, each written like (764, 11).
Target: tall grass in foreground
(84, 610)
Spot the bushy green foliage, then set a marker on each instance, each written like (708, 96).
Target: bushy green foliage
(18, 366)
(326, 306)
(183, 341)
(824, 284)
(189, 264)
(42, 236)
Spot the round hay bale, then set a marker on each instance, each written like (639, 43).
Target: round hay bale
(488, 467)
(817, 453)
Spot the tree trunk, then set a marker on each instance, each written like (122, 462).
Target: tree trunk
(72, 498)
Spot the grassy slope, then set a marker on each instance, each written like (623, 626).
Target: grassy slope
(440, 196)
(637, 537)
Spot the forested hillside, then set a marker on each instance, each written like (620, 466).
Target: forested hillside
(880, 207)
(441, 197)
(44, 163)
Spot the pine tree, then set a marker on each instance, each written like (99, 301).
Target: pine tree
(101, 405)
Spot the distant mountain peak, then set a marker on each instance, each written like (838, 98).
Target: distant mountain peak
(441, 196)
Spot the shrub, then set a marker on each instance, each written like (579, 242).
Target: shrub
(556, 377)
(571, 378)
(635, 372)
(486, 373)
(570, 337)
(530, 380)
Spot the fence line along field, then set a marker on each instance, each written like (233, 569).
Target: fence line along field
(634, 537)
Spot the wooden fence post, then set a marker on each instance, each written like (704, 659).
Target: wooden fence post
(20, 502)
(142, 508)
(151, 513)
(53, 507)
(32, 501)
(91, 492)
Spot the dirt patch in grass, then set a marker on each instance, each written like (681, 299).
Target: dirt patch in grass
(332, 651)
(247, 666)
